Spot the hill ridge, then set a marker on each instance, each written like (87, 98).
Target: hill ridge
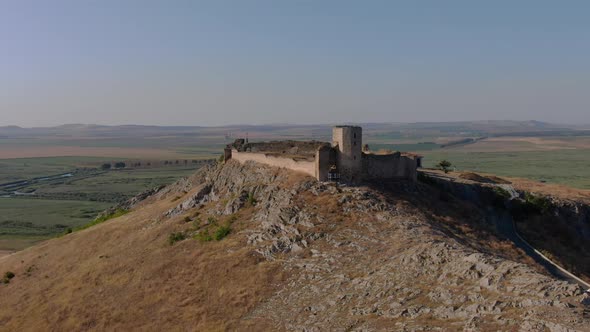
(300, 255)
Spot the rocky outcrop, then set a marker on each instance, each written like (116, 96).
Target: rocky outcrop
(360, 259)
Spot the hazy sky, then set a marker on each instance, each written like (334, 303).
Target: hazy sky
(173, 62)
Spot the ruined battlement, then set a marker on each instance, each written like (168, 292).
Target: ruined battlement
(346, 159)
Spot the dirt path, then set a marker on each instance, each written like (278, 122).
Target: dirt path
(4, 253)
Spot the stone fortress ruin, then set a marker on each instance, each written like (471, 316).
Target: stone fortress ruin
(344, 160)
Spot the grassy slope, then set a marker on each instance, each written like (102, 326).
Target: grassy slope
(124, 275)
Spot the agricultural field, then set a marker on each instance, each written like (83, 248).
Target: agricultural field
(552, 159)
(64, 193)
(562, 162)
(26, 168)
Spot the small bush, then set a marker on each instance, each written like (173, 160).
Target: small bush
(502, 193)
(197, 222)
(221, 232)
(203, 236)
(187, 219)
(444, 165)
(500, 196)
(175, 237)
(251, 199)
(539, 204)
(233, 218)
(103, 218)
(211, 221)
(530, 206)
(7, 277)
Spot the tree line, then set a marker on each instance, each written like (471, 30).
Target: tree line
(148, 164)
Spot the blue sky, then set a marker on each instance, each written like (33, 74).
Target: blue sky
(219, 62)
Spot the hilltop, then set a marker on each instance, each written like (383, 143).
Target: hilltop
(250, 247)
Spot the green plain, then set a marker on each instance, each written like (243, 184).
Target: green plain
(568, 166)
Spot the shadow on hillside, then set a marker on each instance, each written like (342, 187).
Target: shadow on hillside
(461, 220)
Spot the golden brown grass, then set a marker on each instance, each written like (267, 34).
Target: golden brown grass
(123, 275)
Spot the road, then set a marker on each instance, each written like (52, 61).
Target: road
(506, 227)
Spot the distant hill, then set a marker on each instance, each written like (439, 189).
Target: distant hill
(476, 128)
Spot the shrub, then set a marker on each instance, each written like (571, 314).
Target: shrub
(212, 221)
(203, 236)
(444, 165)
(500, 196)
(251, 199)
(196, 222)
(105, 166)
(104, 217)
(221, 232)
(187, 219)
(540, 205)
(120, 164)
(7, 277)
(502, 193)
(530, 205)
(175, 237)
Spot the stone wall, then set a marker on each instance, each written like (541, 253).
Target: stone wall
(326, 156)
(305, 166)
(390, 166)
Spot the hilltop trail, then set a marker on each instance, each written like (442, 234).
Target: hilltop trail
(301, 255)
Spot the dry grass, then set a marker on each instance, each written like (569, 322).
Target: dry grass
(123, 275)
(482, 179)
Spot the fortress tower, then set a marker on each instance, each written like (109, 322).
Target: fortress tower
(349, 141)
(342, 161)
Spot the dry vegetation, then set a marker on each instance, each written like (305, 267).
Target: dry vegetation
(124, 275)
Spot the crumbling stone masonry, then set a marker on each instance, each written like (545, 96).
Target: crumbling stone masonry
(345, 159)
